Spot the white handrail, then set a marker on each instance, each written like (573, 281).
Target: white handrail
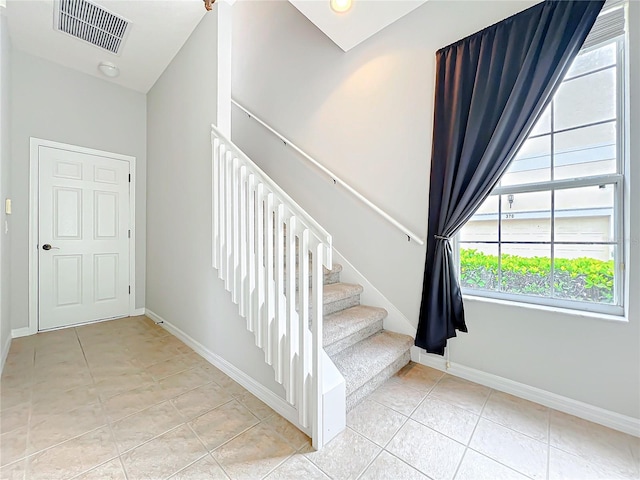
(335, 178)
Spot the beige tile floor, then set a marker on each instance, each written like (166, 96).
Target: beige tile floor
(125, 400)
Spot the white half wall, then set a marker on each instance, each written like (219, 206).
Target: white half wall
(5, 187)
(56, 103)
(182, 286)
(367, 115)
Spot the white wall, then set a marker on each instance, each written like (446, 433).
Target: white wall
(5, 186)
(56, 103)
(182, 286)
(367, 115)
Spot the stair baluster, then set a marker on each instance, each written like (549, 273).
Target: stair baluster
(258, 265)
(271, 256)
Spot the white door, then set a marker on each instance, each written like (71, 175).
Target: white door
(83, 238)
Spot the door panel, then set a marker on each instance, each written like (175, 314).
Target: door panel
(105, 175)
(67, 213)
(68, 170)
(84, 217)
(67, 279)
(106, 215)
(106, 276)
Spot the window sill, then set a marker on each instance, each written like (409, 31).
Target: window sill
(546, 308)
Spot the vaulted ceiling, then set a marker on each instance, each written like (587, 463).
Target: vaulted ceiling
(159, 28)
(364, 19)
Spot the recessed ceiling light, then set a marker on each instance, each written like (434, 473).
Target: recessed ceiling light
(340, 6)
(108, 69)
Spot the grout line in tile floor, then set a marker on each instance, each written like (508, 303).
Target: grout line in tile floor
(409, 417)
(406, 420)
(274, 468)
(29, 418)
(147, 337)
(382, 449)
(193, 463)
(366, 467)
(475, 427)
(124, 470)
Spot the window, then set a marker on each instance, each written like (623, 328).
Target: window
(551, 231)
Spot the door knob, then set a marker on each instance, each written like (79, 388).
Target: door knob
(46, 246)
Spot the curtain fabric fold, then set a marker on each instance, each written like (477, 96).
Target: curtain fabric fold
(490, 89)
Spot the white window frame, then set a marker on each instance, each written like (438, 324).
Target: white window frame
(617, 308)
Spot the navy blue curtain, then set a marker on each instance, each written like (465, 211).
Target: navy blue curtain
(490, 89)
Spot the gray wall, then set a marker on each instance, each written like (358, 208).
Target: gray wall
(56, 103)
(5, 185)
(367, 115)
(182, 286)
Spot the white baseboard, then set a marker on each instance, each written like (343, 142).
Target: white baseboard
(26, 331)
(21, 332)
(5, 352)
(395, 321)
(580, 409)
(267, 396)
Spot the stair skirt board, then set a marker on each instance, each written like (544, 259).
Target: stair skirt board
(395, 321)
(277, 403)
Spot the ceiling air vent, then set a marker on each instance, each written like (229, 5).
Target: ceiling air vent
(91, 23)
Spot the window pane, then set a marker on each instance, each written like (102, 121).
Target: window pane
(543, 125)
(585, 151)
(585, 215)
(483, 226)
(479, 266)
(560, 245)
(526, 269)
(526, 217)
(585, 277)
(585, 100)
(593, 60)
(532, 163)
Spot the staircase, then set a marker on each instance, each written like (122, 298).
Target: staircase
(353, 336)
(327, 350)
(365, 354)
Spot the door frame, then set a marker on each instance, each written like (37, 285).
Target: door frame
(34, 285)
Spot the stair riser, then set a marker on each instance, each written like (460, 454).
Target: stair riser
(361, 393)
(329, 278)
(354, 338)
(348, 302)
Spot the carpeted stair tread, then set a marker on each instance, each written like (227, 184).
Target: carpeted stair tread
(340, 291)
(347, 327)
(361, 362)
(378, 380)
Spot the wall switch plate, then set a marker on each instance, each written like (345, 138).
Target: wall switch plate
(7, 206)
